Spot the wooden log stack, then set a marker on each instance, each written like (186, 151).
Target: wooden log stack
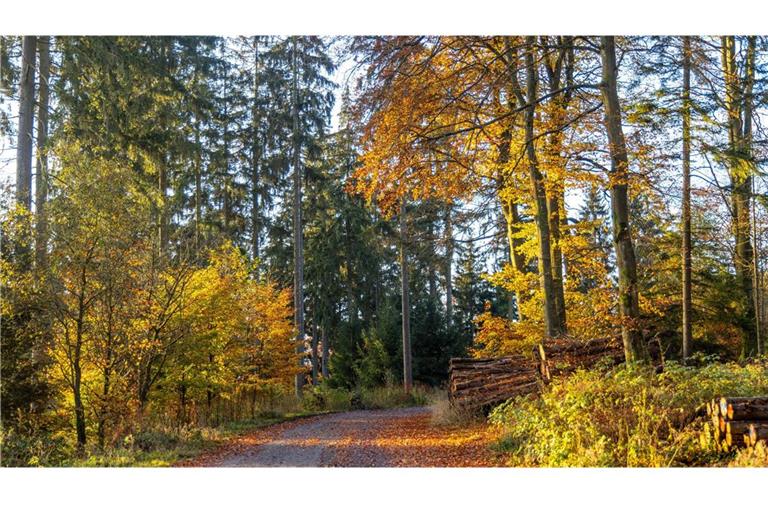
(564, 355)
(736, 422)
(476, 384)
(480, 383)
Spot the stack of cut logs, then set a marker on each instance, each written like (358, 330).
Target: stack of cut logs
(479, 383)
(564, 355)
(738, 421)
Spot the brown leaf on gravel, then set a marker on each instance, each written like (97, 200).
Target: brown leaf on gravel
(385, 438)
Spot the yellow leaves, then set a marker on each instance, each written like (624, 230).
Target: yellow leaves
(245, 324)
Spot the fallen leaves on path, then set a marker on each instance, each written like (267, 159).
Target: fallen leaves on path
(415, 442)
(393, 438)
(244, 443)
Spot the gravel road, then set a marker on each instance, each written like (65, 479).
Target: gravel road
(342, 439)
(380, 438)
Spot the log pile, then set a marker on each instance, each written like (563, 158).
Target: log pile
(476, 384)
(480, 383)
(736, 422)
(563, 356)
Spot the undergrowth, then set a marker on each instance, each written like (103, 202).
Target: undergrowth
(49, 441)
(627, 417)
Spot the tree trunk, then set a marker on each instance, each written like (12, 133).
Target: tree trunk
(748, 100)
(512, 218)
(558, 285)
(406, 309)
(104, 410)
(162, 184)
(198, 185)
(255, 156)
(449, 266)
(539, 194)
(556, 64)
(298, 239)
(26, 118)
(738, 109)
(629, 308)
(431, 270)
(41, 177)
(326, 351)
(314, 346)
(227, 199)
(518, 261)
(77, 373)
(686, 228)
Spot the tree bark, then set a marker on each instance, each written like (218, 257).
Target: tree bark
(686, 214)
(406, 309)
(748, 100)
(298, 238)
(511, 218)
(314, 346)
(739, 108)
(538, 191)
(558, 64)
(41, 176)
(326, 351)
(518, 261)
(255, 156)
(198, 185)
(629, 308)
(449, 265)
(26, 119)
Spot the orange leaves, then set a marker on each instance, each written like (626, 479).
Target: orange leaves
(414, 141)
(241, 328)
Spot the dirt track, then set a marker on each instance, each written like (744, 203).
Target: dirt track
(384, 438)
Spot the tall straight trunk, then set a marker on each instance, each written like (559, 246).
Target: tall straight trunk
(255, 155)
(106, 377)
(198, 185)
(41, 176)
(326, 350)
(747, 102)
(448, 236)
(162, 185)
(629, 307)
(76, 360)
(298, 238)
(314, 345)
(431, 270)
(406, 308)
(227, 199)
(26, 119)
(686, 220)
(558, 64)
(101, 431)
(738, 106)
(538, 190)
(511, 219)
(512, 216)
(352, 304)
(558, 279)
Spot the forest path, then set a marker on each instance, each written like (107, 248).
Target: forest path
(381, 438)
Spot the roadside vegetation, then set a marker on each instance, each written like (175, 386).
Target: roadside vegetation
(634, 417)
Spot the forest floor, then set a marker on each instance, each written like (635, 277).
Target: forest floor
(369, 438)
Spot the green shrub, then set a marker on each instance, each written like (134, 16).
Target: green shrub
(445, 414)
(372, 369)
(18, 449)
(623, 416)
(392, 395)
(325, 398)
